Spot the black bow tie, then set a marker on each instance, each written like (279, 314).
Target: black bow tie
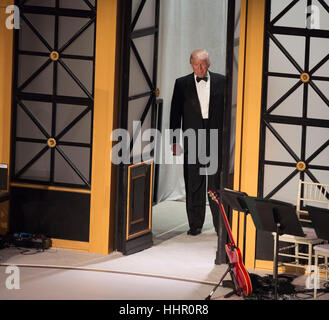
(199, 79)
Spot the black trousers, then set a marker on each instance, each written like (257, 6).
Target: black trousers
(196, 187)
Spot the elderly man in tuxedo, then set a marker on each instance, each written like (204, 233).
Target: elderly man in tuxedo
(197, 105)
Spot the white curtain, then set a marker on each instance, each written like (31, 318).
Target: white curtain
(185, 25)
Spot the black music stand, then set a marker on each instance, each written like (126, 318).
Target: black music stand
(274, 216)
(235, 200)
(320, 221)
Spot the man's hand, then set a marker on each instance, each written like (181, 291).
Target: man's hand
(176, 149)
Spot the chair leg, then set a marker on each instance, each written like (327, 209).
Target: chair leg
(316, 267)
(274, 256)
(296, 255)
(309, 254)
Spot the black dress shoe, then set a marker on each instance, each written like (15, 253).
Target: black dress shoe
(194, 232)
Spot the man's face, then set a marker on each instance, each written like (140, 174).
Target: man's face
(200, 67)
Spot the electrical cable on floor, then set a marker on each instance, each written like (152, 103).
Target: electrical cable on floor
(109, 271)
(261, 292)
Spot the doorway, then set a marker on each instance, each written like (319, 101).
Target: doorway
(198, 24)
(171, 30)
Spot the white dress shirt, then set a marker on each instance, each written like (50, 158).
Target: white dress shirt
(203, 90)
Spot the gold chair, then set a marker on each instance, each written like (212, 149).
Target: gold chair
(311, 193)
(308, 193)
(320, 221)
(321, 250)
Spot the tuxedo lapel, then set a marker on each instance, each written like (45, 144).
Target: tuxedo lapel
(193, 94)
(213, 88)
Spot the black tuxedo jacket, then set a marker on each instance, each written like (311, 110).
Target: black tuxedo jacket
(185, 106)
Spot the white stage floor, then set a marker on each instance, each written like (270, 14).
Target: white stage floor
(177, 267)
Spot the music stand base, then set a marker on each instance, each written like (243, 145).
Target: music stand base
(233, 280)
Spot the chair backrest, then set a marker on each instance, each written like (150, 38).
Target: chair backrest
(311, 193)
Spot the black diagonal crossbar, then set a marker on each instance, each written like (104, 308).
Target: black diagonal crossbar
(285, 52)
(35, 121)
(142, 119)
(75, 78)
(324, 5)
(281, 140)
(320, 64)
(87, 2)
(141, 65)
(284, 11)
(37, 33)
(35, 74)
(284, 97)
(77, 35)
(33, 160)
(281, 184)
(319, 92)
(137, 15)
(71, 164)
(317, 152)
(72, 123)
